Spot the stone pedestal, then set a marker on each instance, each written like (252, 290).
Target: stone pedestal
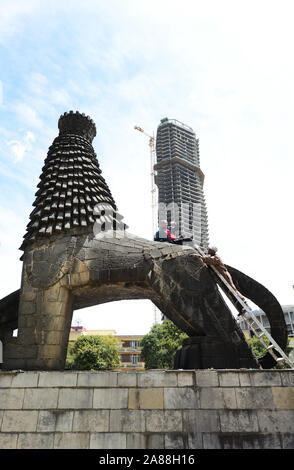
(43, 328)
(200, 409)
(205, 352)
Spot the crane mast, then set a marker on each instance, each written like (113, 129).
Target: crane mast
(153, 190)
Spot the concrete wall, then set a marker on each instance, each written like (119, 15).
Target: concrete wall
(152, 409)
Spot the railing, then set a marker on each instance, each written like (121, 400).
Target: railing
(121, 349)
(177, 123)
(140, 365)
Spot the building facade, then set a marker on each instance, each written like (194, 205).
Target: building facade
(261, 316)
(129, 346)
(180, 181)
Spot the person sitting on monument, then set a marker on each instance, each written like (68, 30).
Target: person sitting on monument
(164, 234)
(215, 260)
(172, 227)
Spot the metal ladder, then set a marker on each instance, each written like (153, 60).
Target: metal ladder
(253, 323)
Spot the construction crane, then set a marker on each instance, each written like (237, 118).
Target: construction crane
(153, 190)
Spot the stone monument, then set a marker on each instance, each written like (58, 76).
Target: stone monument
(77, 252)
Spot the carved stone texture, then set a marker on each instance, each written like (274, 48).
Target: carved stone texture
(71, 184)
(205, 352)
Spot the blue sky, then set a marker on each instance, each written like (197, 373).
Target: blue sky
(224, 68)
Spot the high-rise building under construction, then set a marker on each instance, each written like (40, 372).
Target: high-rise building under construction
(180, 180)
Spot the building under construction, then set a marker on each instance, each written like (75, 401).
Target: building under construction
(180, 181)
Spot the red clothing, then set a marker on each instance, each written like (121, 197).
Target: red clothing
(170, 235)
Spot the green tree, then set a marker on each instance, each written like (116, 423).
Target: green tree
(159, 346)
(259, 349)
(94, 352)
(69, 356)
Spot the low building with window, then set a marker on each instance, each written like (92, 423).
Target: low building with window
(130, 351)
(129, 346)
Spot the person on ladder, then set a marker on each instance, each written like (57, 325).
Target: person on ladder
(214, 260)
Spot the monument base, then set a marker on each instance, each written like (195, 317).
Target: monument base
(206, 352)
(161, 409)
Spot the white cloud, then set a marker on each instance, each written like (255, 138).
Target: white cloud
(20, 147)
(11, 18)
(1, 93)
(27, 114)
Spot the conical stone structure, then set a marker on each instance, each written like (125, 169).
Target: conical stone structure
(71, 184)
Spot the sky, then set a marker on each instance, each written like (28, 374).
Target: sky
(225, 68)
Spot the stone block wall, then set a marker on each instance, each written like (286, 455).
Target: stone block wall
(199, 409)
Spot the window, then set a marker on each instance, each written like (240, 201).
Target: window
(135, 359)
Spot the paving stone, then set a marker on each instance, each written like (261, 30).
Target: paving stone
(127, 421)
(261, 441)
(230, 441)
(195, 441)
(97, 379)
(238, 421)
(211, 441)
(217, 398)
(110, 440)
(5, 379)
(55, 420)
(265, 378)
(273, 421)
(287, 378)
(11, 399)
(164, 421)
(72, 440)
(173, 420)
(207, 378)
(182, 398)
(145, 441)
(19, 421)
(75, 398)
(8, 440)
(254, 398)
(91, 420)
(195, 421)
(145, 399)
(175, 441)
(186, 379)
(155, 421)
(36, 399)
(228, 379)
(127, 379)
(57, 379)
(157, 379)
(110, 398)
(288, 441)
(35, 440)
(244, 378)
(283, 397)
(25, 379)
